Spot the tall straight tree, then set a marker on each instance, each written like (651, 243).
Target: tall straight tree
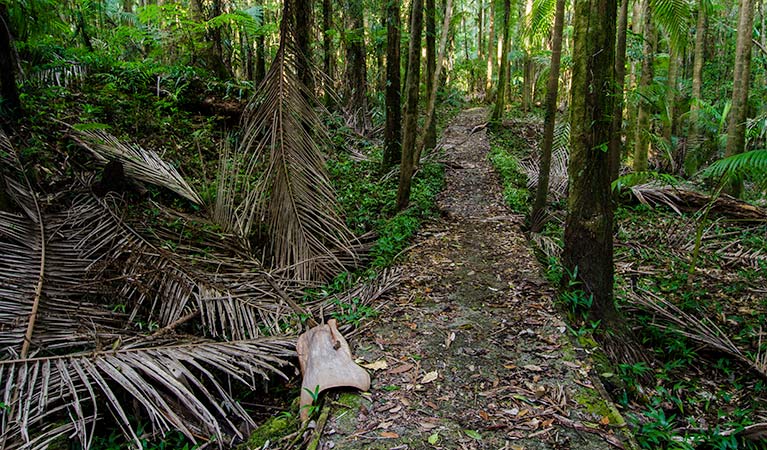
(356, 67)
(614, 148)
(327, 48)
(393, 130)
(410, 131)
(694, 158)
(736, 128)
(549, 120)
(503, 63)
(642, 139)
(491, 51)
(588, 250)
(303, 18)
(430, 137)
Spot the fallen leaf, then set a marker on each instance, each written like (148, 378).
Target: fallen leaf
(433, 439)
(428, 426)
(473, 434)
(522, 413)
(389, 435)
(400, 369)
(605, 420)
(384, 425)
(484, 415)
(429, 377)
(378, 365)
(533, 368)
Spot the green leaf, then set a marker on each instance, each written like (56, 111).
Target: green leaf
(473, 434)
(433, 439)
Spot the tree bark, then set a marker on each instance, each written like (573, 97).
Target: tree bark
(356, 67)
(614, 148)
(736, 128)
(393, 130)
(491, 51)
(503, 69)
(673, 70)
(697, 155)
(327, 50)
(411, 106)
(588, 239)
(642, 139)
(303, 21)
(552, 87)
(8, 89)
(430, 136)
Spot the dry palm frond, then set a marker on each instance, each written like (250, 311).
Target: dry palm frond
(652, 194)
(176, 387)
(293, 197)
(63, 75)
(700, 330)
(560, 157)
(551, 248)
(141, 164)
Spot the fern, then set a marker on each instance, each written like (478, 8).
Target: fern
(674, 17)
(636, 178)
(737, 167)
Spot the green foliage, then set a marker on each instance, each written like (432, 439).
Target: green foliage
(751, 165)
(631, 179)
(513, 178)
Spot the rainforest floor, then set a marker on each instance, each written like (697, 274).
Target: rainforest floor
(470, 351)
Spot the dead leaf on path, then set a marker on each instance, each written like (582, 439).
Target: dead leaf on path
(377, 365)
(509, 366)
(400, 369)
(389, 435)
(605, 420)
(533, 368)
(428, 426)
(522, 413)
(384, 425)
(429, 377)
(484, 415)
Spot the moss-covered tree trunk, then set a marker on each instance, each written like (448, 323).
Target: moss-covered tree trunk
(303, 18)
(588, 236)
(491, 51)
(736, 128)
(552, 87)
(642, 138)
(614, 149)
(410, 130)
(327, 49)
(393, 129)
(695, 143)
(503, 65)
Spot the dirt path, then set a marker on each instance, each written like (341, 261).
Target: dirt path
(475, 354)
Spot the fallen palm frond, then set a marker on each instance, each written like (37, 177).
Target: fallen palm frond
(560, 157)
(141, 164)
(700, 330)
(293, 197)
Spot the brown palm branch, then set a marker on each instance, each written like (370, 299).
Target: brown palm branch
(141, 164)
(293, 197)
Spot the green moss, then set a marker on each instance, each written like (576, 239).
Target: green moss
(346, 410)
(273, 429)
(597, 405)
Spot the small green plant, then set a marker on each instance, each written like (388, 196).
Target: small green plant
(353, 312)
(314, 406)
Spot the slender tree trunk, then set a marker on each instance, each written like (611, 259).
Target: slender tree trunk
(327, 49)
(432, 93)
(8, 89)
(642, 140)
(614, 148)
(430, 137)
(411, 107)
(480, 17)
(552, 87)
(491, 51)
(588, 239)
(736, 128)
(673, 70)
(303, 13)
(696, 156)
(393, 131)
(356, 67)
(503, 69)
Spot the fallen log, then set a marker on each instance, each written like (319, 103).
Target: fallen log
(682, 199)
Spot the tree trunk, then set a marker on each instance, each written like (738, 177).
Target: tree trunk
(491, 51)
(503, 69)
(614, 148)
(411, 106)
(432, 93)
(642, 139)
(697, 155)
(588, 249)
(552, 87)
(393, 131)
(673, 70)
(480, 22)
(356, 68)
(736, 128)
(430, 137)
(327, 50)
(8, 89)
(303, 21)
(128, 6)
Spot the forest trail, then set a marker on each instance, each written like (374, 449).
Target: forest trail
(470, 352)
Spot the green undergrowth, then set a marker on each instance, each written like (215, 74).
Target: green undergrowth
(505, 157)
